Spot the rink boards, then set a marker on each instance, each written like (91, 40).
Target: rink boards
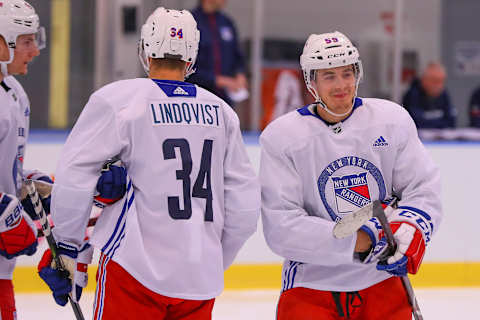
(452, 260)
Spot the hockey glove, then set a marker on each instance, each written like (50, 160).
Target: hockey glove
(409, 251)
(411, 229)
(27, 203)
(112, 184)
(60, 281)
(18, 234)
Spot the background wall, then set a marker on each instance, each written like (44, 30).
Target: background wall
(460, 27)
(455, 241)
(101, 51)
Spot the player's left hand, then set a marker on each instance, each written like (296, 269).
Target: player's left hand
(76, 265)
(112, 184)
(18, 234)
(409, 251)
(27, 203)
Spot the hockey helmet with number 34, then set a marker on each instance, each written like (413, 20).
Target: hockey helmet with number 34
(169, 34)
(18, 17)
(328, 50)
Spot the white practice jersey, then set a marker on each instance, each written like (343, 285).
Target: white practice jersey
(14, 124)
(312, 174)
(193, 197)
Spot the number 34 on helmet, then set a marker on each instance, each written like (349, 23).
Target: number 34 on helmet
(169, 34)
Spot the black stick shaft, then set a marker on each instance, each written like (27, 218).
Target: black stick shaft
(380, 215)
(37, 205)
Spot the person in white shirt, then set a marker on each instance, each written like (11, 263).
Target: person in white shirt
(21, 39)
(192, 196)
(327, 160)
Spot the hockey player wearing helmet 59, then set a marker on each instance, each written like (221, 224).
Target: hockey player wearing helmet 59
(21, 38)
(342, 153)
(332, 71)
(166, 243)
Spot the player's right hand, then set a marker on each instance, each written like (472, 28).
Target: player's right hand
(112, 184)
(18, 234)
(60, 281)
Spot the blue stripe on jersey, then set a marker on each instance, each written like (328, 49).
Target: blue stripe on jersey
(102, 287)
(121, 235)
(120, 218)
(294, 274)
(287, 276)
(177, 88)
(290, 275)
(15, 172)
(118, 244)
(285, 280)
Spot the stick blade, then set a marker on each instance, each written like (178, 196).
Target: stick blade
(350, 224)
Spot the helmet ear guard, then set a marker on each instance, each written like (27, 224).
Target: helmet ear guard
(170, 34)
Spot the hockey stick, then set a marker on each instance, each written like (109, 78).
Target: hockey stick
(380, 215)
(37, 204)
(91, 223)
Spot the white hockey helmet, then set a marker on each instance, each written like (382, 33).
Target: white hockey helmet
(18, 17)
(169, 34)
(328, 50)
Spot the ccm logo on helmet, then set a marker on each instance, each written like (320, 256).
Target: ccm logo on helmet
(336, 55)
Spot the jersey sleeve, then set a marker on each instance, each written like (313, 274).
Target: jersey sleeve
(288, 229)
(416, 179)
(242, 195)
(94, 139)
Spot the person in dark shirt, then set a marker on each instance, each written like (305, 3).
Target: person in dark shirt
(475, 109)
(220, 66)
(427, 100)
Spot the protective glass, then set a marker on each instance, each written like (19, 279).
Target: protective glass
(41, 38)
(37, 40)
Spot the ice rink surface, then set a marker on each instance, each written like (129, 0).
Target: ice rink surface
(436, 304)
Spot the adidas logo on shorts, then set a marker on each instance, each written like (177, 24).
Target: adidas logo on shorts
(380, 142)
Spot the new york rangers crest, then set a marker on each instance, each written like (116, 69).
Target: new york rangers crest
(348, 183)
(351, 192)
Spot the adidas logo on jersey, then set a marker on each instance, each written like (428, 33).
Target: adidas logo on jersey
(180, 91)
(380, 142)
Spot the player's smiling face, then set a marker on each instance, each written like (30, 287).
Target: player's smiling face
(26, 49)
(336, 87)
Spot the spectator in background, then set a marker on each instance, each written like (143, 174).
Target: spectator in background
(220, 63)
(474, 107)
(427, 100)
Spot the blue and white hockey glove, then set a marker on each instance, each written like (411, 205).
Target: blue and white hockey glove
(76, 265)
(27, 204)
(112, 184)
(412, 230)
(18, 234)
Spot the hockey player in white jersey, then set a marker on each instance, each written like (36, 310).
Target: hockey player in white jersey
(192, 197)
(21, 39)
(327, 160)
